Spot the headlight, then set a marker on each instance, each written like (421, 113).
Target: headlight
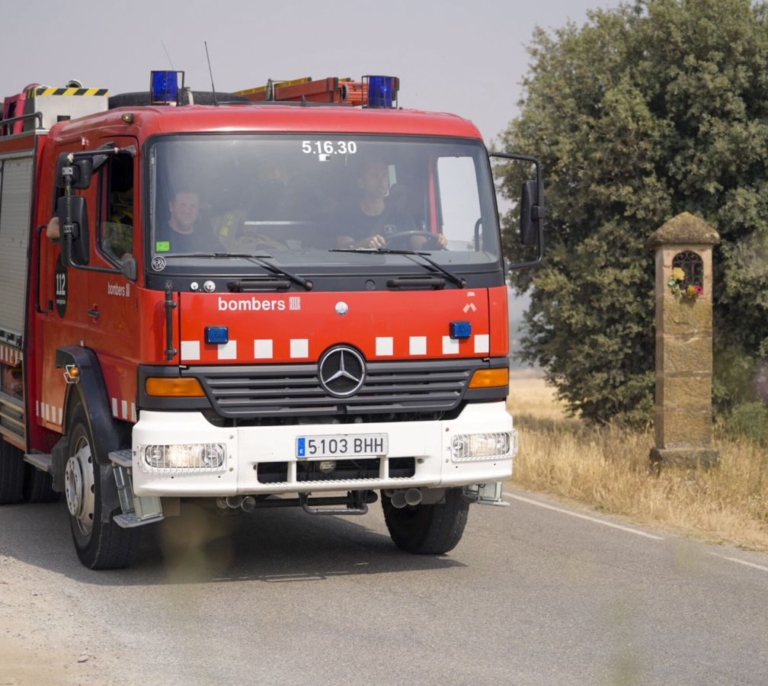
(490, 446)
(207, 457)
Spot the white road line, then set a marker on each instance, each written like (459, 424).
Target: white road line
(743, 562)
(594, 520)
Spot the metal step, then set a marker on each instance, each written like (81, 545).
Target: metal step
(42, 462)
(131, 521)
(354, 504)
(486, 494)
(122, 458)
(137, 511)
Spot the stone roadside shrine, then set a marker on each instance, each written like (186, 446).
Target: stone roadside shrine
(683, 412)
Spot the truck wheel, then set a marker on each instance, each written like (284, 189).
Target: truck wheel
(11, 473)
(427, 529)
(38, 486)
(99, 544)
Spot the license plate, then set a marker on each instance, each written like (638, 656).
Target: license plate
(341, 445)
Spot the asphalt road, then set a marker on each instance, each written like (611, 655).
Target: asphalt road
(534, 594)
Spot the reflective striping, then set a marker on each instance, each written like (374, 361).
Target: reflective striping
(43, 91)
(190, 350)
(228, 351)
(417, 345)
(385, 346)
(10, 355)
(122, 409)
(450, 346)
(299, 347)
(262, 349)
(265, 348)
(49, 413)
(482, 343)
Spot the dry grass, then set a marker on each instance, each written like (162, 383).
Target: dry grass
(607, 469)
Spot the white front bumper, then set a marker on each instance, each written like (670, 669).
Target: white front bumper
(428, 442)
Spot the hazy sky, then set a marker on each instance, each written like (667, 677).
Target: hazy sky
(467, 58)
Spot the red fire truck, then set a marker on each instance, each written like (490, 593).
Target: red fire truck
(287, 296)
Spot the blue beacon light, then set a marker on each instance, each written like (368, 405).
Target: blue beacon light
(216, 334)
(164, 87)
(382, 90)
(460, 330)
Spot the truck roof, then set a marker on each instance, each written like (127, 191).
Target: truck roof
(152, 120)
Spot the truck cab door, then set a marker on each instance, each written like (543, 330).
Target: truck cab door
(97, 309)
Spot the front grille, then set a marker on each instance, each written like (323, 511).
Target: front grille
(292, 391)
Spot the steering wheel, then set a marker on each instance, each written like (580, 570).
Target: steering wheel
(402, 240)
(254, 243)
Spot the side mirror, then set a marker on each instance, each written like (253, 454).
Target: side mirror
(530, 206)
(78, 171)
(530, 215)
(77, 240)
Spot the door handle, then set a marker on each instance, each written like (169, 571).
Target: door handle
(94, 312)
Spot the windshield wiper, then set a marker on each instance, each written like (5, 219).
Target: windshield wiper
(458, 280)
(256, 259)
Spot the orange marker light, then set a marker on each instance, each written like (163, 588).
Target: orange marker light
(490, 378)
(174, 388)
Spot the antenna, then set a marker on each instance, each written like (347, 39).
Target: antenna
(210, 71)
(167, 54)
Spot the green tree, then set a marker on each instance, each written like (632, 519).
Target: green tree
(647, 110)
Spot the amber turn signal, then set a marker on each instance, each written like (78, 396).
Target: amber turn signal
(490, 378)
(174, 388)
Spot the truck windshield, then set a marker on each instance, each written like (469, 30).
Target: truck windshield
(312, 200)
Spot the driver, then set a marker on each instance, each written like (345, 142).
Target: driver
(185, 231)
(376, 214)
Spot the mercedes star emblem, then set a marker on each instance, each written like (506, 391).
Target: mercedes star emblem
(342, 371)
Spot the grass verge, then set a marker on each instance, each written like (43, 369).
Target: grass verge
(607, 469)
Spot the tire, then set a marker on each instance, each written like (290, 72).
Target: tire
(11, 473)
(38, 486)
(89, 487)
(427, 529)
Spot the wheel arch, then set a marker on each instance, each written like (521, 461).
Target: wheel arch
(90, 391)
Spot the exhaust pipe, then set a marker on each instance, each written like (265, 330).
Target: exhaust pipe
(413, 496)
(398, 500)
(249, 502)
(234, 501)
(401, 499)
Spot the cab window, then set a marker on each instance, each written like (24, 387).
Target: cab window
(117, 203)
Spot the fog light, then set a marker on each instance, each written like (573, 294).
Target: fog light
(207, 457)
(487, 446)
